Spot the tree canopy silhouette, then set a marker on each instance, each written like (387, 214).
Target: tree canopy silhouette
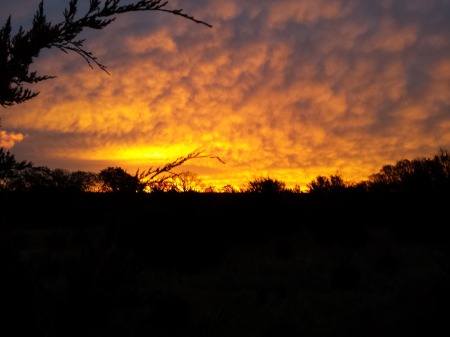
(427, 174)
(17, 52)
(9, 167)
(265, 185)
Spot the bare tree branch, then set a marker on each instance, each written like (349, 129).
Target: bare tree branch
(157, 176)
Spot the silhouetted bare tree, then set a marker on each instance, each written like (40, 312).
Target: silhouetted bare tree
(228, 189)
(187, 181)
(18, 52)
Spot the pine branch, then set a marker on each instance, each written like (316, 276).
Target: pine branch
(17, 53)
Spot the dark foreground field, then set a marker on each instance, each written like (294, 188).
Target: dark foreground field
(224, 265)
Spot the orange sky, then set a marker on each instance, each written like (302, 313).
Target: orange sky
(287, 89)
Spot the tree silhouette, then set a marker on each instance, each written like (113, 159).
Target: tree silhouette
(18, 52)
(116, 179)
(84, 181)
(333, 183)
(188, 181)
(23, 176)
(266, 186)
(417, 175)
(228, 189)
(10, 168)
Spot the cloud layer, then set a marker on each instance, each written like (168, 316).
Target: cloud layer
(286, 89)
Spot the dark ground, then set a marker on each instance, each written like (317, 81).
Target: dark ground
(224, 265)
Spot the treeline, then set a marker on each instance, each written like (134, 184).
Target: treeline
(420, 175)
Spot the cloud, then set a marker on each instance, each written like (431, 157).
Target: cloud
(9, 139)
(287, 88)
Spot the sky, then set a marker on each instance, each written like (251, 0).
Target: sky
(284, 89)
